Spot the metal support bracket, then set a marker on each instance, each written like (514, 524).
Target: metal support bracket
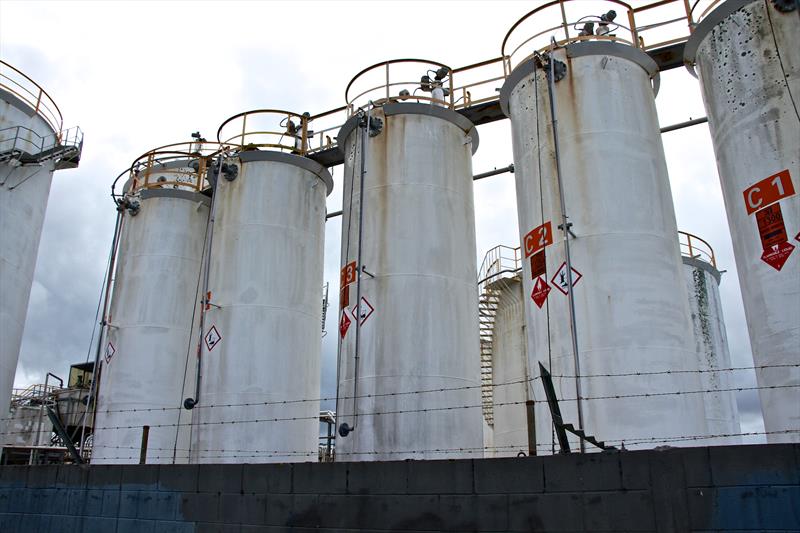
(569, 229)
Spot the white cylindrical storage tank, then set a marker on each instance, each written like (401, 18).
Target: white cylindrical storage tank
(150, 340)
(511, 385)
(711, 342)
(30, 151)
(748, 60)
(418, 289)
(263, 331)
(631, 312)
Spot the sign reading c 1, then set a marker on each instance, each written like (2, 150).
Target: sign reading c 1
(768, 191)
(537, 239)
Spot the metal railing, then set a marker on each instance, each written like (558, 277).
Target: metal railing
(20, 85)
(655, 24)
(498, 261)
(174, 166)
(696, 248)
(20, 141)
(271, 129)
(36, 394)
(427, 82)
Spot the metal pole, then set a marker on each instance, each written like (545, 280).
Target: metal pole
(103, 324)
(681, 125)
(143, 450)
(360, 256)
(490, 173)
(565, 228)
(41, 411)
(495, 172)
(206, 276)
(531, 417)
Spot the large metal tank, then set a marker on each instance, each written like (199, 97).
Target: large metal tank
(506, 376)
(747, 57)
(263, 335)
(146, 349)
(631, 312)
(711, 342)
(415, 221)
(511, 375)
(32, 147)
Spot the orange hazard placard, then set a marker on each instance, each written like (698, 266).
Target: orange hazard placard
(538, 238)
(348, 274)
(768, 191)
(771, 228)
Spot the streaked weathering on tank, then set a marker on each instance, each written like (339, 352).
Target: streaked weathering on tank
(746, 56)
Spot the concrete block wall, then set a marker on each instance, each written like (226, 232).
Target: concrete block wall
(735, 488)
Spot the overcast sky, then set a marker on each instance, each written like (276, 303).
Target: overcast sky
(138, 75)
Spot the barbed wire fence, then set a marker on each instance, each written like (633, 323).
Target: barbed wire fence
(151, 416)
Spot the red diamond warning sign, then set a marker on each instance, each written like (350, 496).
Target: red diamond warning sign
(110, 351)
(364, 311)
(560, 282)
(540, 291)
(777, 254)
(344, 324)
(212, 338)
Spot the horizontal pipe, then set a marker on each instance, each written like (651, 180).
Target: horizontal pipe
(681, 125)
(495, 172)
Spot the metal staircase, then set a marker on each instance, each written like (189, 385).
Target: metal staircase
(21, 146)
(499, 263)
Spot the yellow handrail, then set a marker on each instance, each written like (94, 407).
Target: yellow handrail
(174, 166)
(696, 248)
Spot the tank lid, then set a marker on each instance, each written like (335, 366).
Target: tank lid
(411, 108)
(291, 159)
(704, 28)
(579, 49)
(175, 193)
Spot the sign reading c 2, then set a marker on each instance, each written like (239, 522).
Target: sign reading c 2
(537, 238)
(768, 191)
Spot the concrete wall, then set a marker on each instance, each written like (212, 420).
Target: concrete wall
(735, 488)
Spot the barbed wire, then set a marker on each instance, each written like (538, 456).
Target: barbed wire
(435, 409)
(261, 454)
(520, 381)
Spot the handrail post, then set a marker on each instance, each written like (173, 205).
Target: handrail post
(634, 33)
(38, 100)
(564, 22)
(452, 103)
(387, 81)
(304, 135)
(689, 241)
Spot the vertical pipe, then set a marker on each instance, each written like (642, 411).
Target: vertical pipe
(531, 417)
(143, 450)
(564, 226)
(205, 299)
(103, 323)
(359, 266)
